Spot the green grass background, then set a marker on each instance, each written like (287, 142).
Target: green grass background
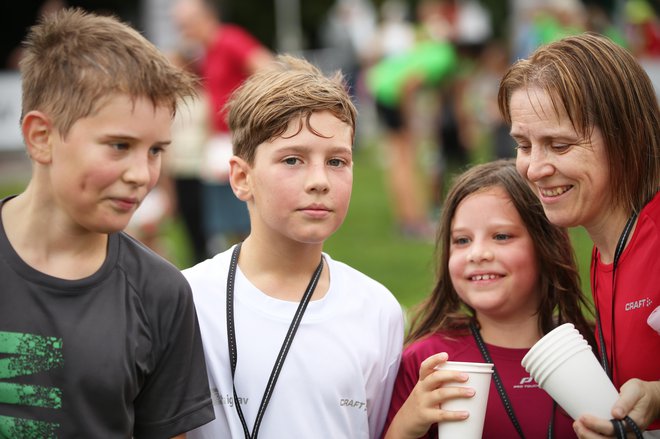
(367, 240)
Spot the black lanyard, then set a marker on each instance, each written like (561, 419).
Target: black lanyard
(619, 428)
(500, 387)
(621, 244)
(284, 350)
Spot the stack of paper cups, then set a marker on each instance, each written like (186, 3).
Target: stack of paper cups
(479, 376)
(563, 364)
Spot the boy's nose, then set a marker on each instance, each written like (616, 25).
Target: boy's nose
(139, 171)
(317, 178)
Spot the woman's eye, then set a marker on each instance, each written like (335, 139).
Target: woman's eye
(560, 147)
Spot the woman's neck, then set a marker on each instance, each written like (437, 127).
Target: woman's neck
(605, 235)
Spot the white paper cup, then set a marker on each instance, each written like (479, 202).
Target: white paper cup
(479, 379)
(561, 334)
(571, 374)
(536, 364)
(544, 369)
(654, 319)
(580, 386)
(554, 341)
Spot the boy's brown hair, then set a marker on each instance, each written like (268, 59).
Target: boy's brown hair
(291, 88)
(74, 60)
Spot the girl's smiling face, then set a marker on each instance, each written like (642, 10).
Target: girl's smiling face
(492, 260)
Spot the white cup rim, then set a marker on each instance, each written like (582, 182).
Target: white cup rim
(560, 333)
(466, 366)
(467, 363)
(544, 373)
(533, 362)
(543, 369)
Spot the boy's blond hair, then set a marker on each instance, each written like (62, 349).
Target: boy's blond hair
(73, 61)
(291, 88)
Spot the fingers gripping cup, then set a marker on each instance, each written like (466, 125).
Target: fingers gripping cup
(479, 376)
(563, 365)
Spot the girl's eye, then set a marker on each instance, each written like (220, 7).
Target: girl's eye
(461, 240)
(501, 237)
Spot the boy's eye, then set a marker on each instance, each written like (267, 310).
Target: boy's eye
(157, 150)
(291, 160)
(336, 162)
(120, 146)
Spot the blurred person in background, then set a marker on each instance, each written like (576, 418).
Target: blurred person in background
(643, 33)
(229, 56)
(347, 31)
(418, 60)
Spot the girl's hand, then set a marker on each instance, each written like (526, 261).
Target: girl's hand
(422, 408)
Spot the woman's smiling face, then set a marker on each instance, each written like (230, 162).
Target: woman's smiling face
(569, 173)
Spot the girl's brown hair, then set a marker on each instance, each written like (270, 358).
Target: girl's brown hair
(559, 284)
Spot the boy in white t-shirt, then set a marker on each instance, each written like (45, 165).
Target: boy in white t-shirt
(292, 134)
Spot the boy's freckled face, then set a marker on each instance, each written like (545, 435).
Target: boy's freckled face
(300, 184)
(108, 162)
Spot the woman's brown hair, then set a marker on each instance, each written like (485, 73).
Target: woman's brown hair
(599, 84)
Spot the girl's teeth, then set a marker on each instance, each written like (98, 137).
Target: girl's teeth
(484, 277)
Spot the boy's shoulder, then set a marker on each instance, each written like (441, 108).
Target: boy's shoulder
(214, 267)
(357, 283)
(352, 273)
(149, 273)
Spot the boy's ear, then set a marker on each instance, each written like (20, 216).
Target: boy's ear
(37, 132)
(239, 178)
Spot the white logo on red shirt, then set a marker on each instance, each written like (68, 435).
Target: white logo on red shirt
(637, 304)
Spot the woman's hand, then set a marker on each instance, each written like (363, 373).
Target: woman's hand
(638, 399)
(422, 408)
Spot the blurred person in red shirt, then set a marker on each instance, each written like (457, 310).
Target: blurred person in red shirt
(229, 55)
